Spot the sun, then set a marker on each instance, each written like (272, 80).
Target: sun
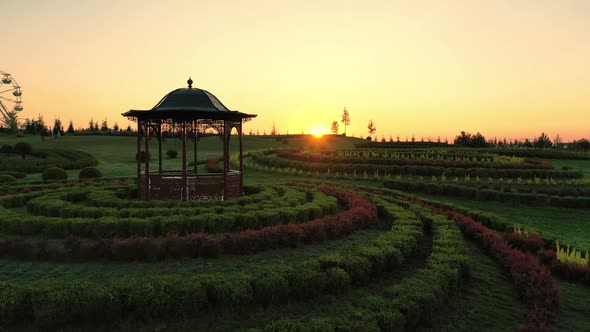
(317, 130)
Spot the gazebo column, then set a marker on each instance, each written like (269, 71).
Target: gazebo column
(159, 146)
(184, 189)
(139, 123)
(147, 161)
(241, 159)
(225, 157)
(195, 152)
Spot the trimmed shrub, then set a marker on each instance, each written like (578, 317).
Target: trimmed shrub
(5, 178)
(141, 156)
(89, 172)
(172, 154)
(23, 148)
(54, 173)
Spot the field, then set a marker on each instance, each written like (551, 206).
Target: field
(328, 237)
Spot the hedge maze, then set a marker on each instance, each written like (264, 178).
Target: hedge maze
(358, 245)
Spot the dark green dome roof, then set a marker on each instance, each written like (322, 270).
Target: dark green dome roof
(189, 103)
(190, 99)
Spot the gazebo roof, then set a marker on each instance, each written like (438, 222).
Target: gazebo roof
(189, 103)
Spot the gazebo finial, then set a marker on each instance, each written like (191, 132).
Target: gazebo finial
(190, 83)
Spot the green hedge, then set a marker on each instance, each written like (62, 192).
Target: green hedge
(471, 192)
(48, 304)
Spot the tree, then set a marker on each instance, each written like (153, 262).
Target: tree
(273, 132)
(372, 128)
(11, 122)
(129, 128)
(23, 148)
(334, 127)
(478, 141)
(581, 144)
(71, 128)
(116, 127)
(557, 140)
(542, 142)
(104, 126)
(345, 119)
(57, 128)
(462, 139)
(91, 125)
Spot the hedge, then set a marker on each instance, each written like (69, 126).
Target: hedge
(44, 303)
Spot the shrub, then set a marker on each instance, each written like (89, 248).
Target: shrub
(5, 178)
(89, 172)
(141, 156)
(172, 154)
(7, 149)
(54, 173)
(23, 148)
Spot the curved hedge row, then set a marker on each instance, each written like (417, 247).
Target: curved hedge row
(273, 161)
(410, 160)
(51, 304)
(489, 194)
(64, 213)
(414, 300)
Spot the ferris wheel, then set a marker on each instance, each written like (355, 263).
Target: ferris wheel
(10, 96)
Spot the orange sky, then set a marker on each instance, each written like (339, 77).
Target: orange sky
(505, 68)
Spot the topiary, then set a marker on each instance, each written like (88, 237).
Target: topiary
(172, 154)
(5, 178)
(89, 172)
(54, 173)
(141, 156)
(7, 149)
(23, 148)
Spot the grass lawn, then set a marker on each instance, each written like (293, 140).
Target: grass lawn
(487, 303)
(574, 314)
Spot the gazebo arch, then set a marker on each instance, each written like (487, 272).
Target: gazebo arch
(189, 111)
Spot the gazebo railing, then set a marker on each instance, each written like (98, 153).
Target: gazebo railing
(169, 186)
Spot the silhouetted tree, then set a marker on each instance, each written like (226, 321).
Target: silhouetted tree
(334, 127)
(372, 128)
(557, 140)
(463, 139)
(71, 129)
(104, 126)
(116, 127)
(273, 132)
(542, 142)
(581, 145)
(345, 119)
(129, 128)
(57, 128)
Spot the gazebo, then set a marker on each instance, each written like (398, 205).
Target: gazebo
(189, 112)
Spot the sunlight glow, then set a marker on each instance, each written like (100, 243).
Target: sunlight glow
(318, 130)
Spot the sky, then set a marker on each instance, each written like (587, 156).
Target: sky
(424, 68)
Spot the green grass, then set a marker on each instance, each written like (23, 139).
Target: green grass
(116, 154)
(578, 165)
(487, 303)
(574, 314)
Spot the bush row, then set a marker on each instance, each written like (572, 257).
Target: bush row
(413, 301)
(533, 280)
(60, 217)
(359, 169)
(316, 158)
(50, 304)
(487, 194)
